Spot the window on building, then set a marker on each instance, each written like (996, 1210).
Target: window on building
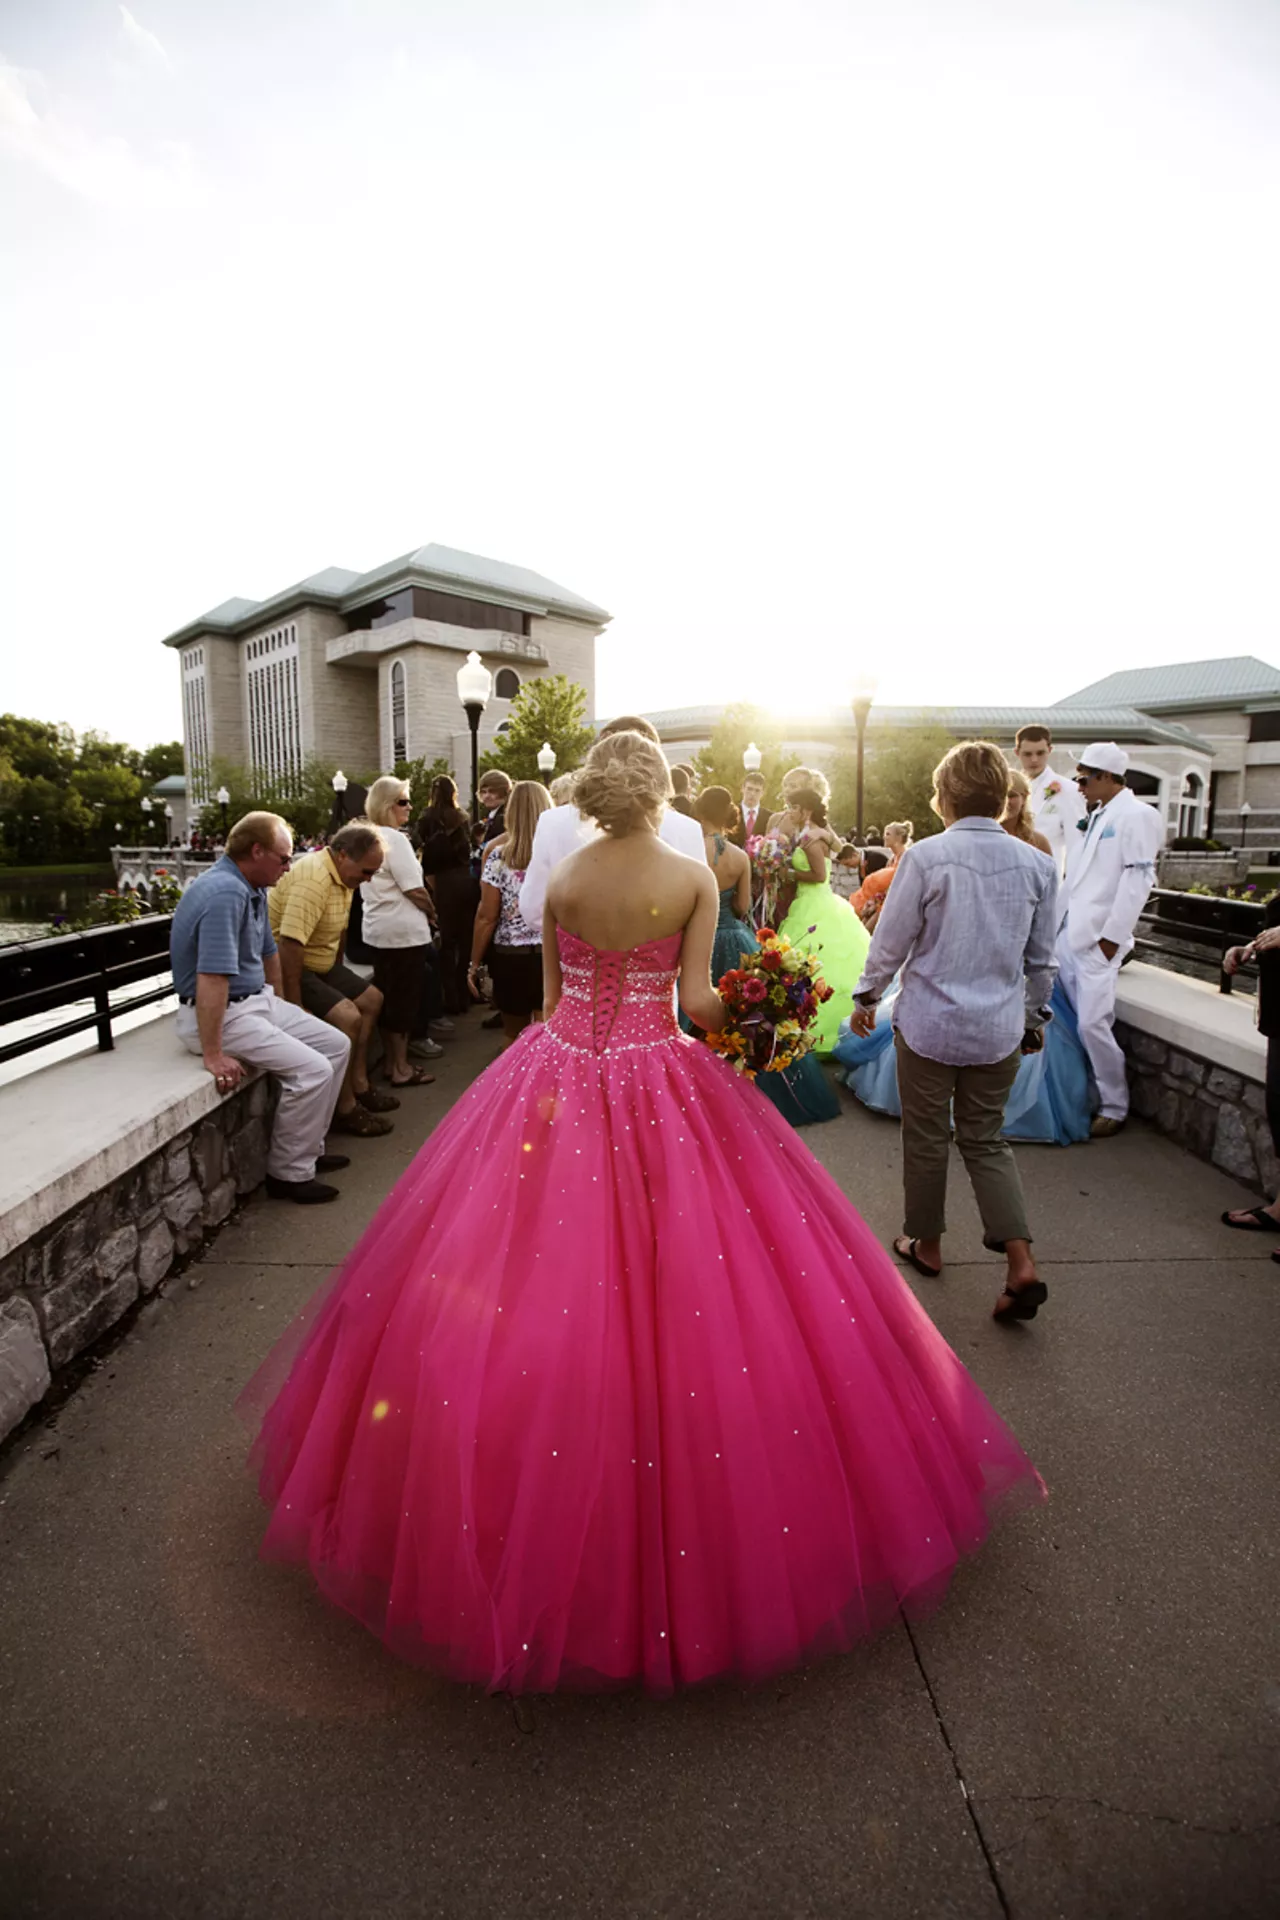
(1145, 785)
(503, 726)
(271, 696)
(1265, 726)
(507, 684)
(383, 613)
(1189, 807)
(399, 724)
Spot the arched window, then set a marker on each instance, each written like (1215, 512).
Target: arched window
(399, 723)
(1189, 807)
(507, 684)
(503, 726)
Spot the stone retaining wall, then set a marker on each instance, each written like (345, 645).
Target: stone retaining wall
(64, 1288)
(1218, 1115)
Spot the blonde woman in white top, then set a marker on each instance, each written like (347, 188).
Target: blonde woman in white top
(396, 928)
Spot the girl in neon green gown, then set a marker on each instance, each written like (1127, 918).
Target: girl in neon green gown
(823, 924)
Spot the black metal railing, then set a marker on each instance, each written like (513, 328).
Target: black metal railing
(40, 976)
(1190, 933)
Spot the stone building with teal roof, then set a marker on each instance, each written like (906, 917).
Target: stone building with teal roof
(359, 668)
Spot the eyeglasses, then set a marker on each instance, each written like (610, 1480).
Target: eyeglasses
(403, 802)
(1083, 779)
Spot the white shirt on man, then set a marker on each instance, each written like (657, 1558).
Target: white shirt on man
(1056, 806)
(754, 821)
(562, 830)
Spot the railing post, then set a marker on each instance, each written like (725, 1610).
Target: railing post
(102, 1007)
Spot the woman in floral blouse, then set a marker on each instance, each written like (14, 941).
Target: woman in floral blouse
(513, 947)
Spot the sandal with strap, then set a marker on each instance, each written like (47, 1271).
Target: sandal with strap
(1024, 1301)
(908, 1253)
(1257, 1220)
(373, 1100)
(416, 1077)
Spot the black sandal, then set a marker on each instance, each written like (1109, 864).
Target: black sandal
(913, 1259)
(1263, 1222)
(1024, 1301)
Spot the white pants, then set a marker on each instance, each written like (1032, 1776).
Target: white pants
(307, 1057)
(1089, 979)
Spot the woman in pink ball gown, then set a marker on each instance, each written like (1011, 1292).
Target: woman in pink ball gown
(617, 1388)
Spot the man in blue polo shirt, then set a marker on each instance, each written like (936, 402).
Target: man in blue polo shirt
(233, 1014)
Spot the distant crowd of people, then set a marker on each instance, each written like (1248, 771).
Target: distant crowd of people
(400, 927)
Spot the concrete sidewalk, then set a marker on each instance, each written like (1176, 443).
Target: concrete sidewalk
(1089, 1727)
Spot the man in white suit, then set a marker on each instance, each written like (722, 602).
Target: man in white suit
(1056, 805)
(562, 830)
(1108, 880)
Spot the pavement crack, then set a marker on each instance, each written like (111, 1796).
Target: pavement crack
(987, 1854)
(1236, 1831)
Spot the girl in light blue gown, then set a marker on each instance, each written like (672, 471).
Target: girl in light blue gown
(1051, 1101)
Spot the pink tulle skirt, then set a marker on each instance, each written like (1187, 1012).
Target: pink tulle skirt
(619, 1389)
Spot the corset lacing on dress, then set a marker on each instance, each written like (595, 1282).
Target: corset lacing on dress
(616, 1002)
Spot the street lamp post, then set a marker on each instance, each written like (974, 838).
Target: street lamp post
(864, 692)
(546, 758)
(223, 799)
(1245, 810)
(475, 683)
(168, 823)
(146, 825)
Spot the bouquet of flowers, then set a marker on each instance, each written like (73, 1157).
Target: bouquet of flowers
(770, 871)
(771, 1000)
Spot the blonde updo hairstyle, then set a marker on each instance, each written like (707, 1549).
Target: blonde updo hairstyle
(902, 831)
(625, 784)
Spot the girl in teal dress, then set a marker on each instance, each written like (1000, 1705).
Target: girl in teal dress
(821, 923)
(802, 1094)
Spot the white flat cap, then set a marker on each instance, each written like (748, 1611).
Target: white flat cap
(1104, 756)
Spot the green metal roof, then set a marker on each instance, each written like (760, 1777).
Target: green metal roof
(447, 569)
(1228, 682)
(1065, 723)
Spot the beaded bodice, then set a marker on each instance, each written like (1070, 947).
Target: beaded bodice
(616, 1002)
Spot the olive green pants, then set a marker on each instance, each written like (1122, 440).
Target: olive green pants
(929, 1090)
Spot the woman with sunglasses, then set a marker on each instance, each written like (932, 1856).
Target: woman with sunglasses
(396, 929)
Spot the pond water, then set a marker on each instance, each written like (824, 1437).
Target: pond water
(27, 906)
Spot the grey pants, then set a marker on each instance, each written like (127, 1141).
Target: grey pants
(928, 1089)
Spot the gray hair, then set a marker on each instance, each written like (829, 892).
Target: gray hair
(355, 840)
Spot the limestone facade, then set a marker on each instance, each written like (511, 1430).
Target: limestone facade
(359, 670)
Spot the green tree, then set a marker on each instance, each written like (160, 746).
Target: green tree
(897, 777)
(161, 762)
(552, 708)
(719, 763)
(305, 800)
(420, 774)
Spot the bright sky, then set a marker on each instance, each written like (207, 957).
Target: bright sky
(939, 337)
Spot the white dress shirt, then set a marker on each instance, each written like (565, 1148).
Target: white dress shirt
(1055, 808)
(970, 919)
(562, 830)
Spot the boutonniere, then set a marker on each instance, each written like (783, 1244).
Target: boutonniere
(1082, 826)
(1053, 789)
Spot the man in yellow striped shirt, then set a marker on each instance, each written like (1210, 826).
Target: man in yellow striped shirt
(309, 909)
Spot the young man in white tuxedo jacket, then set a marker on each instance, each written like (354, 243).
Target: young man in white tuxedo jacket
(562, 830)
(1110, 875)
(1056, 805)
